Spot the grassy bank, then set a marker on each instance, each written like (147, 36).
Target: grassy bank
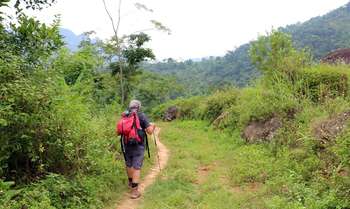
(210, 169)
(201, 172)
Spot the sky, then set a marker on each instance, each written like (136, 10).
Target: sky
(200, 28)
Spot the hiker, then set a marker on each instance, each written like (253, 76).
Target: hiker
(133, 127)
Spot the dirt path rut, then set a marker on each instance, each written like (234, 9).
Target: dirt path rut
(126, 202)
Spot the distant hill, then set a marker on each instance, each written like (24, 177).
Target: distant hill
(321, 34)
(71, 39)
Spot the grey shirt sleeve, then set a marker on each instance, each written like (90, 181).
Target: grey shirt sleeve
(144, 122)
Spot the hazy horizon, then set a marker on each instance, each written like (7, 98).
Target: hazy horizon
(199, 29)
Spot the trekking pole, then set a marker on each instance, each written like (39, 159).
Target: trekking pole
(122, 146)
(155, 142)
(147, 146)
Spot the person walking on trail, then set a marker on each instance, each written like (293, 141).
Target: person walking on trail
(133, 128)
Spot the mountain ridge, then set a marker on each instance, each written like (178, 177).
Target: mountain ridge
(321, 34)
(71, 39)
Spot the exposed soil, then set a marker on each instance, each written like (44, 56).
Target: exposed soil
(250, 187)
(126, 202)
(245, 188)
(203, 172)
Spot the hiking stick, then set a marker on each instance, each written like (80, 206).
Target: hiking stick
(122, 146)
(155, 142)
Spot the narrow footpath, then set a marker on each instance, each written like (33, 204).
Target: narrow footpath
(163, 152)
(205, 171)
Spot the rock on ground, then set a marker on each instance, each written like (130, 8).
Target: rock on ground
(171, 113)
(262, 130)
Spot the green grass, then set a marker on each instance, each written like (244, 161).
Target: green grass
(209, 169)
(201, 171)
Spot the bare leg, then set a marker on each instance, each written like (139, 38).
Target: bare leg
(136, 175)
(129, 171)
(135, 182)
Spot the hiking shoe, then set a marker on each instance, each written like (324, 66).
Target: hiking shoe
(135, 193)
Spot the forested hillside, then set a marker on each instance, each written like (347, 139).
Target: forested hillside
(288, 138)
(320, 34)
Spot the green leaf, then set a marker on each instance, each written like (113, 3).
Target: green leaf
(3, 122)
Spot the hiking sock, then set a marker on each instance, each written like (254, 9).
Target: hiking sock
(133, 185)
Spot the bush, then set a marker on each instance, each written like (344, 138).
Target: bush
(321, 82)
(260, 103)
(46, 126)
(218, 103)
(80, 146)
(199, 107)
(25, 109)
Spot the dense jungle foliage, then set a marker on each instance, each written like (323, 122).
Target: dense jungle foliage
(58, 108)
(320, 35)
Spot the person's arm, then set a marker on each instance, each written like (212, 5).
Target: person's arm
(150, 129)
(145, 124)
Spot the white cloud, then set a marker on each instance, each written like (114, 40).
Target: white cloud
(199, 27)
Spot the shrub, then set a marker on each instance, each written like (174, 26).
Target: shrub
(79, 145)
(25, 109)
(275, 54)
(321, 82)
(219, 102)
(44, 125)
(260, 103)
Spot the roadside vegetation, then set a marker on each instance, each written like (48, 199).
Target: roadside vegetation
(58, 109)
(287, 137)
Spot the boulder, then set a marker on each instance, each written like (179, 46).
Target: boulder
(263, 130)
(339, 55)
(328, 129)
(171, 113)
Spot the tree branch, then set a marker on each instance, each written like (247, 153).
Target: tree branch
(118, 22)
(111, 18)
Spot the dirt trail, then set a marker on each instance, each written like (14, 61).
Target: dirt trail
(126, 202)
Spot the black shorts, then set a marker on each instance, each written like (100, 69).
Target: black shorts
(134, 155)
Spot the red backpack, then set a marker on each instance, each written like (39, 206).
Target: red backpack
(129, 126)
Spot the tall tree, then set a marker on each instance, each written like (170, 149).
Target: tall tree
(119, 39)
(132, 55)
